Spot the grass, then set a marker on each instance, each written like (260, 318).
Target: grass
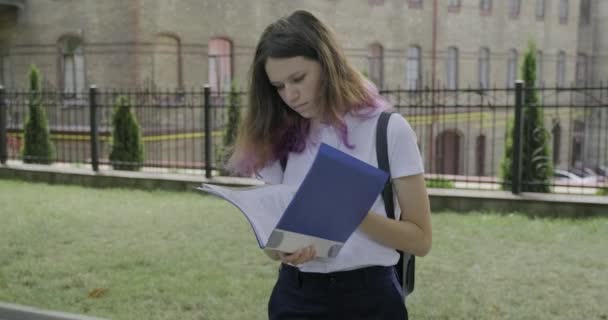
(125, 254)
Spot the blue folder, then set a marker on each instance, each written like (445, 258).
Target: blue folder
(332, 201)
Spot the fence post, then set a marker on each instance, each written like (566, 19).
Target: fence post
(3, 133)
(207, 92)
(94, 130)
(516, 162)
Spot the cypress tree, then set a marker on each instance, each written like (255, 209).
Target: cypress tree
(127, 146)
(234, 117)
(231, 131)
(37, 145)
(537, 166)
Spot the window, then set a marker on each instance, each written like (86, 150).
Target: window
(414, 3)
(454, 5)
(166, 72)
(376, 64)
(413, 70)
(540, 9)
(5, 74)
(485, 6)
(539, 68)
(72, 66)
(561, 69)
(563, 11)
(452, 68)
(480, 155)
(581, 69)
(484, 68)
(556, 132)
(220, 64)
(578, 139)
(512, 68)
(514, 8)
(585, 11)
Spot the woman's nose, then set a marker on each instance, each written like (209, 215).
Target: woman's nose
(291, 93)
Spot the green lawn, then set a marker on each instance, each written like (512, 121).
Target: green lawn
(165, 255)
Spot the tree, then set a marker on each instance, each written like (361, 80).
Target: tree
(37, 145)
(127, 147)
(537, 167)
(231, 131)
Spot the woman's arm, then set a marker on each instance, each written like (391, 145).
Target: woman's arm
(413, 233)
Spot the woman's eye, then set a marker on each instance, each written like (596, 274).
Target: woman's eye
(298, 79)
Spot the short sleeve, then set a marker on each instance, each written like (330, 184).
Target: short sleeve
(404, 155)
(271, 174)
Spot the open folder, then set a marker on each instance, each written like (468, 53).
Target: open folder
(335, 196)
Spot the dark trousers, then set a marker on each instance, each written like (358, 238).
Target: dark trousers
(368, 293)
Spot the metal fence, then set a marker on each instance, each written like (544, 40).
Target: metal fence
(461, 132)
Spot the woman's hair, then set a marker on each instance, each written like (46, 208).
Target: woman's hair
(270, 129)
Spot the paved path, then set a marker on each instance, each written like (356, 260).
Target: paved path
(18, 312)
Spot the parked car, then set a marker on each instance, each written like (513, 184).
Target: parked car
(575, 177)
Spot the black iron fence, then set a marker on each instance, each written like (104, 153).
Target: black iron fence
(462, 133)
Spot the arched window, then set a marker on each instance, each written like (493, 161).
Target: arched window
(485, 6)
(484, 68)
(448, 145)
(167, 62)
(561, 69)
(5, 72)
(72, 66)
(556, 133)
(413, 70)
(540, 9)
(452, 68)
(220, 64)
(539, 68)
(480, 155)
(514, 8)
(512, 68)
(563, 11)
(585, 11)
(581, 69)
(375, 58)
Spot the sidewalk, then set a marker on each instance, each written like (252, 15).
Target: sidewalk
(17, 312)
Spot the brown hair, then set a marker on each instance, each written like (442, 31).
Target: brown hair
(270, 129)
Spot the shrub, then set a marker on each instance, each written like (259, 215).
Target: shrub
(537, 167)
(231, 131)
(37, 145)
(439, 183)
(127, 147)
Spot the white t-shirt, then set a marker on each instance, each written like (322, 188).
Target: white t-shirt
(404, 159)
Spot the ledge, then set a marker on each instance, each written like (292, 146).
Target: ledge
(464, 200)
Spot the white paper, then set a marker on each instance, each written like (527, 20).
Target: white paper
(262, 205)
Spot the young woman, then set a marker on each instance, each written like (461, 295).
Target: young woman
(303, 92)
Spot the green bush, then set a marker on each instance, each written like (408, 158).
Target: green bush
(602, 191)
(127, 147)
(231, 131)
(537, 166)
(439, 183)
(37, 145)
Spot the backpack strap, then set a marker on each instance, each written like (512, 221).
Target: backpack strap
(283, 162)
(405, 275)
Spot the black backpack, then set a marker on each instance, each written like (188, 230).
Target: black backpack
(406, 265)
(407, 262)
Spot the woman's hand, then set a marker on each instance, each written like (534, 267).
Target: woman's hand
(299, 256)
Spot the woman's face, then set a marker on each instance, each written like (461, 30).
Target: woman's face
(297, 80)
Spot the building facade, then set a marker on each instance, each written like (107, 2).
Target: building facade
(397, 43)
(405, 44)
